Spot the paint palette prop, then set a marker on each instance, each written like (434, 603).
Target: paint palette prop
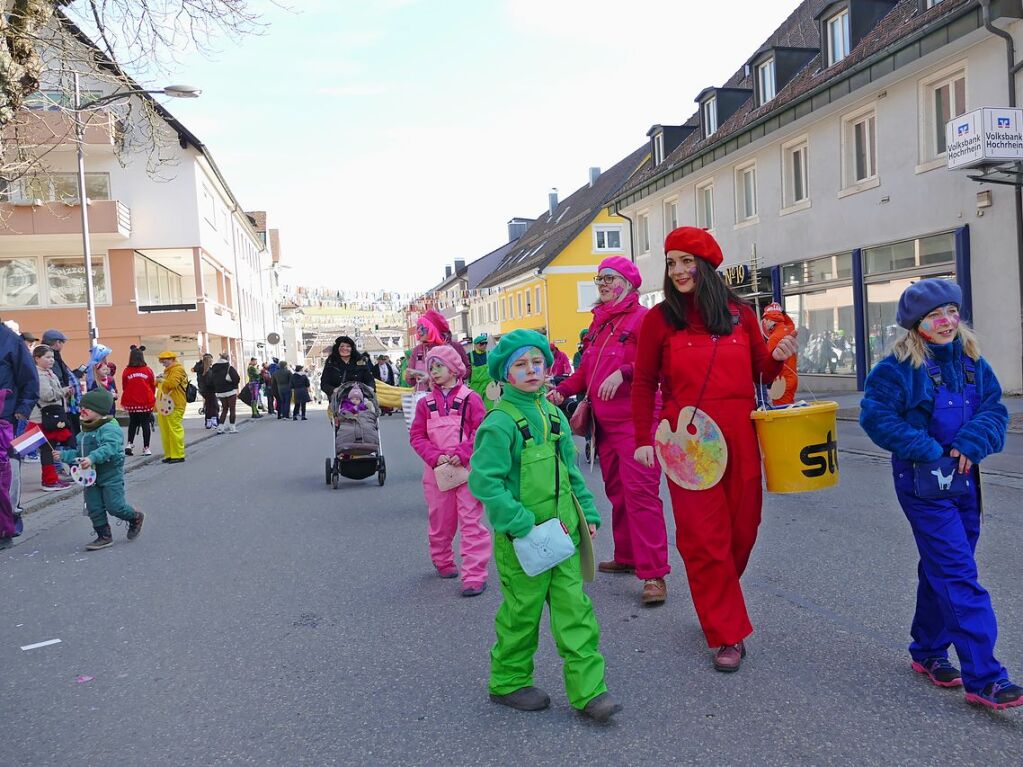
(695, 455)
(494, 391)
(86, 477)
(164, 404)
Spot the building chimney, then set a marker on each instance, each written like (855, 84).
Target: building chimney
(459, 265)
(447, 272)
(552, 200)
(517, 227)
(594, 175)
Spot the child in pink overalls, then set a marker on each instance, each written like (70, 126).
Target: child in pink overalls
(442, 432)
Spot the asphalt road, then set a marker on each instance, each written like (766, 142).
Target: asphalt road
(263, 618)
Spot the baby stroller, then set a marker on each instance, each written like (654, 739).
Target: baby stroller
(357, 452)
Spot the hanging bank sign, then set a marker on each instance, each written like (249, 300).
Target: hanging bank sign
(984, 136)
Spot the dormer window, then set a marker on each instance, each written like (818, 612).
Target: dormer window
(709, 116)
(658, 148)
(838, 37)
(766, 89)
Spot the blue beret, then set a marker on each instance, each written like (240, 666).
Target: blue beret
(923, 297)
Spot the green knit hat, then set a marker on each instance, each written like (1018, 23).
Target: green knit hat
(513, 342)
(98, 400)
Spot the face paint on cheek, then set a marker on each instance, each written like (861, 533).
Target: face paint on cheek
(617, 290)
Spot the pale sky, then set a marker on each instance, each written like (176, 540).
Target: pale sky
(388, 138)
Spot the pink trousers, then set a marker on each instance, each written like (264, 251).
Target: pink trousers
(637, 514)
(449, 511)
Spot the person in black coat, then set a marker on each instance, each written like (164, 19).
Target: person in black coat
(384, 371)
(345, 364)
(300, 389)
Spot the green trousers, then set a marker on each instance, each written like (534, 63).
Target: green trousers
(573, 626)
(107, 497)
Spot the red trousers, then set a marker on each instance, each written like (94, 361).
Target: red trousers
(715, 531)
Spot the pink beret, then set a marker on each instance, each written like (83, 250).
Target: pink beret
(624, 267)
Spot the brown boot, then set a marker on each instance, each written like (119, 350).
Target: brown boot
(655, 591)
(729, 657)
(615, 567)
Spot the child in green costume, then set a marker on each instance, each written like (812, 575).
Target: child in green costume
(534, 486)
(479, 378)
(101, 447)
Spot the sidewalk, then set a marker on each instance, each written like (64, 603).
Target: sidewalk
(33, 497)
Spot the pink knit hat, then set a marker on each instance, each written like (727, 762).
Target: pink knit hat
(449, 358)
(624, 267)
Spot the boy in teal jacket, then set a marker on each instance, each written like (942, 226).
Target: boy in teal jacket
(534, 485)
(101, 447)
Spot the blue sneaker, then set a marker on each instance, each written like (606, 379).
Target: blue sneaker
(997, 695)
(940, 670)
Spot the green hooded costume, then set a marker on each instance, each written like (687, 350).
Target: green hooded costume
(536, 484)
(479, 377)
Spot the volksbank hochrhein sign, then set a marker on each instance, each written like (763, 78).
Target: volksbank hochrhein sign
(984, 136)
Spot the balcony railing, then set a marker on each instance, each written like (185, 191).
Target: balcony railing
(109, 217)
(35, 127)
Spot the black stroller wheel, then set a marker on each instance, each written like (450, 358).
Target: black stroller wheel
(335, 480)
(381, 471)
(330, 469)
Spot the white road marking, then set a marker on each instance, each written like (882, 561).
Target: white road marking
(40, 644)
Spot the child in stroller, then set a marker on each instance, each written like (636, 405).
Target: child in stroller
(357, 451)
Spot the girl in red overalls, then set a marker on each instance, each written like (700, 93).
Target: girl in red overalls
(442, 432)
(704, 345)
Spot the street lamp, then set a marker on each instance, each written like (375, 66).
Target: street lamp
(174, 91)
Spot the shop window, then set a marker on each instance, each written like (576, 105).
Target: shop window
(65, 281)
(910, 254)
(882, 304)
(19, 282)
(827, 330)
(818, 270)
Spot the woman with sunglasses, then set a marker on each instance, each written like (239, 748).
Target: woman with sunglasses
(604, 374)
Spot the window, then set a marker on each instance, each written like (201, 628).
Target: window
(765, 81)
(155, 284)
(529, 302)
(643, 232)
(838, 36)
(945, 99)
(658, 148)
(209, 207)
(670, 216)
(587, 295)
(519, 296)
(19, 282)
(607, 238)
(818, 270)
(55, 187)
(796, 177)
(705, 205)
(65, 281)
(53, 101)
(936, 250)
(745, 193)
(537, 304)
(859, 136)
(709, 111)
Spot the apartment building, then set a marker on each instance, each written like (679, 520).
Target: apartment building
(177, 262)
(821, 168)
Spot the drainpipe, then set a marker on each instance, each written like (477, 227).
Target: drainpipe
(1013, 69)
(632, 242)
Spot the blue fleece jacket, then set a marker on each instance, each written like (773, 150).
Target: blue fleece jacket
(17, 375)
(898, 400)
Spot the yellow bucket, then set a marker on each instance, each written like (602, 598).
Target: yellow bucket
(799, 446)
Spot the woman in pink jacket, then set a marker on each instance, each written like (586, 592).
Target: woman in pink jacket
(605, 374)
(442, 433)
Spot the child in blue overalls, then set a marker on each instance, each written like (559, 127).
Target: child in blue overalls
(935, 403)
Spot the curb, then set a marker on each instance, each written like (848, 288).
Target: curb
(54, 498)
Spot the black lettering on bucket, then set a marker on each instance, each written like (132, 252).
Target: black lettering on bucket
(820, 459)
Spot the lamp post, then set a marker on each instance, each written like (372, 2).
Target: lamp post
(174, 91)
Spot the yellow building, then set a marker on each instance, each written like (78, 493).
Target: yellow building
(546, 282)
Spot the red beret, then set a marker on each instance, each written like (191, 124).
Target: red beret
(696, 242)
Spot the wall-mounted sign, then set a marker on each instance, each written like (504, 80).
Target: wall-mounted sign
(984, 136)
(736, 276)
